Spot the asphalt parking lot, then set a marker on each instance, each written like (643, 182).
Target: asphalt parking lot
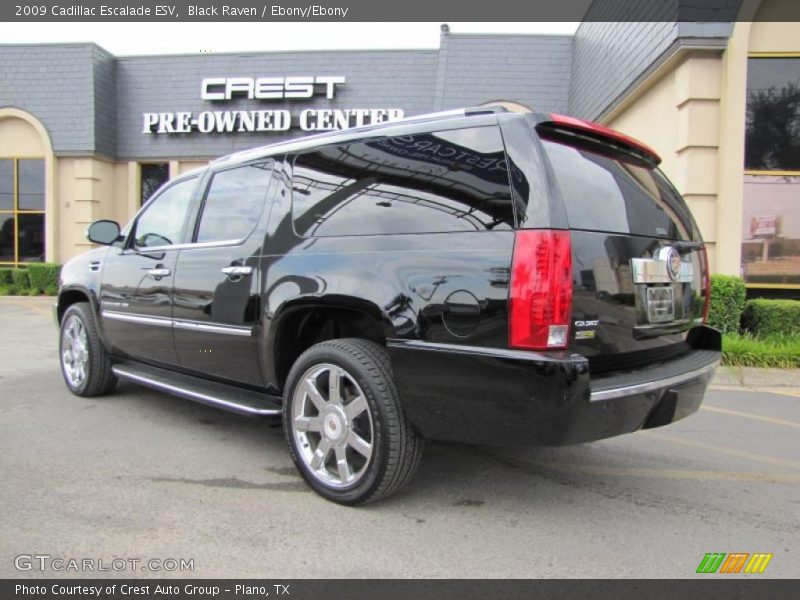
(143, 475)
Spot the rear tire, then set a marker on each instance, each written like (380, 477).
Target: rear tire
(85, 364)
(344, 423)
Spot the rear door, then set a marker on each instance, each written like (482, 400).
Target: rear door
(216, 286)
(636, 250)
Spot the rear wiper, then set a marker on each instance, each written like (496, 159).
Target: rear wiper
(686, 247)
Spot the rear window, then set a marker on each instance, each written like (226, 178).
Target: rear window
(605, 193)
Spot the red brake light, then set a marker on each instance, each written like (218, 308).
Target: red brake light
(540, 299)
(706, 282)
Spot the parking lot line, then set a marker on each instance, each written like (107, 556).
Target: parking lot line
(747, 415)
(792, 392)
(793, 464)
(778, 391)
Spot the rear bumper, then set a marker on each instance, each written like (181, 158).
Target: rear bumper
(512, 397)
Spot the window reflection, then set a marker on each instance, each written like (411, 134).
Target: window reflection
(22, 205)
(153, 176)
(6, 238)
(234, 203)
(446, 181)
(6, 184)
(31, 237)
(31, 184)
(771, 229)
(773, 114)
(604, 194)
(162, 222)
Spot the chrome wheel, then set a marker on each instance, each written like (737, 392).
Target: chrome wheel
(332, 425)
(74, 351)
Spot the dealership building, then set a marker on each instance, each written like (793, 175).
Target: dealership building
(86, 135)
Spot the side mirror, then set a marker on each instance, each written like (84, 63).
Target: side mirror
(103, 232)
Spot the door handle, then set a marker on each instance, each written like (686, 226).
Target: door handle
(158, 272)
(237, 271)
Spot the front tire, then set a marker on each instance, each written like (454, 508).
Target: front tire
(85, 363)
(344, 423)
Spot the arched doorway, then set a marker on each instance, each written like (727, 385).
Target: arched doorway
(27, 184)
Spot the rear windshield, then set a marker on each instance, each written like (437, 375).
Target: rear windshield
(608, 193)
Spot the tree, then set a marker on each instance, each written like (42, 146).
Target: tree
(773, 129)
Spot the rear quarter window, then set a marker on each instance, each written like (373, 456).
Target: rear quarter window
(446, 181)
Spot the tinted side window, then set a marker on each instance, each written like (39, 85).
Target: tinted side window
(433, 182)
(234, 202)
(605, 194)
(161, 224)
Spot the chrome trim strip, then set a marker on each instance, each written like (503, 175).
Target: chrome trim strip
(121, 371)
(650, 386)
(187, 246)
(132, 318)
(527, 355)
(222, 329)
(184, 324)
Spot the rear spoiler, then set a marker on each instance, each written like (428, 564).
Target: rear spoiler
(563, 126)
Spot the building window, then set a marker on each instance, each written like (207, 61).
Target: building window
(773, 114)
(153, 176)
(771, 203)
(22, 203)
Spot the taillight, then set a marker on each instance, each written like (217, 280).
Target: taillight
(706, 282)
(540, 300)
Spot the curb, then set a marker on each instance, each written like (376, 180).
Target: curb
(756, 377)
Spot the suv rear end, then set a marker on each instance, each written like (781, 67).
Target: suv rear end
(608, 293)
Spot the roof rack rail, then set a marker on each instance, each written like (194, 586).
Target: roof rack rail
(485, 110)
(457, 112)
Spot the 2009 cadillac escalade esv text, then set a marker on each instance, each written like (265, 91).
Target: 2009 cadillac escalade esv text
(474, 276)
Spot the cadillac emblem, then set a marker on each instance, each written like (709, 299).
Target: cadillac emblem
(672, 259)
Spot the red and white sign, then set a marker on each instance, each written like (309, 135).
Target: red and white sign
(763, 226)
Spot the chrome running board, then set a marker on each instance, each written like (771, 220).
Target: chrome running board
(226, 397)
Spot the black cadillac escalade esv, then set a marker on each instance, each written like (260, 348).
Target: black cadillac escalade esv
(476, 276)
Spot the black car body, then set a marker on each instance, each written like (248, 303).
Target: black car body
(532, 278)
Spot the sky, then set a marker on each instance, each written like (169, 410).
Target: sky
(123, 39)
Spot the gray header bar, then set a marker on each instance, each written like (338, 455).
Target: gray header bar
(369, 10)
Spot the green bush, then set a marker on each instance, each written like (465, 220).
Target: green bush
(727, 302)
(746, 350)
(22, 282)
(6, 277)
(7, 290)
(764, 317)
(44, 277)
